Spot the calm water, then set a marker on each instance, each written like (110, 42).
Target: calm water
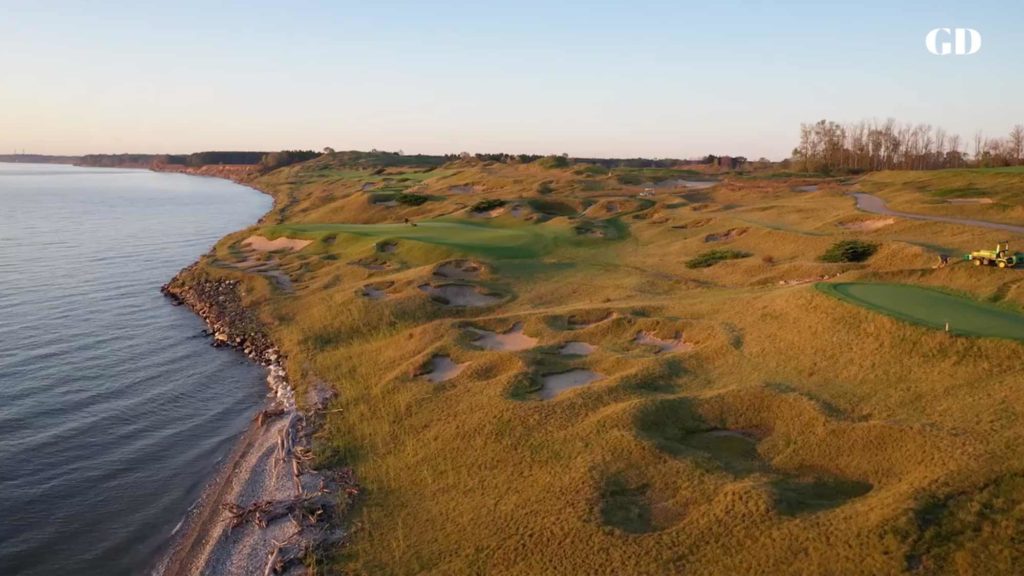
(114, 410)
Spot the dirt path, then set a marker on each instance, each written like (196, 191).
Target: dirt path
(874, 204)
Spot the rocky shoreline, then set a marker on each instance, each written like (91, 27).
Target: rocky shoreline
(268, 511)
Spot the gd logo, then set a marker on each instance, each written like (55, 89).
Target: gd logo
(938, 41)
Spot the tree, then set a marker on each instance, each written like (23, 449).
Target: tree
(1016, 143)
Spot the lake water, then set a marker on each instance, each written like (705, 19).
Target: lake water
(114, 409)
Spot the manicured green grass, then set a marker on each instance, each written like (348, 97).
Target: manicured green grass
(471, 237)
(931, 308)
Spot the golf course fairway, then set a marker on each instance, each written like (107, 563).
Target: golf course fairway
(484, 239)
(931, 308)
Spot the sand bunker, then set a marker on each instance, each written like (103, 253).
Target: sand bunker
(868, 225)
(376, 291)
(459, 295)
(577, 349)
(730, 234)
(554, 384)
(691, 184)
(442, 368)
(808, 188)
(512, 340)
(459, 270)
(263, 244)
(664, 346)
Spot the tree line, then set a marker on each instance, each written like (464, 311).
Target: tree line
(827, 146)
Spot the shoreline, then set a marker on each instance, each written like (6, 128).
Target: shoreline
(266, 509)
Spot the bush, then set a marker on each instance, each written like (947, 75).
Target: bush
(411, 199)
(524, 386)
(592, 170)
(551, 207)
(545, 187)
(849, 251)
(713, 257)
(488, 205)
(630, 179)
(554, 162)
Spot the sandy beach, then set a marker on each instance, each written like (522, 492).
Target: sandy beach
(267, 509)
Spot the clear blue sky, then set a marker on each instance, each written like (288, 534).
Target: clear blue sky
(628, 78)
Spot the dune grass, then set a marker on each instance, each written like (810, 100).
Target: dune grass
(798, 435)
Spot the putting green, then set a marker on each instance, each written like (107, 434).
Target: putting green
(489, 240)
(931, 308)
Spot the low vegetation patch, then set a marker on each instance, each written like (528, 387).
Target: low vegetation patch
(624, 505)
(545, 187)
(592, 170)
(971, 533)
(849, 251)
(411, 199)
(551, 207)
(554, 162)
(488, 205)
(712, 257)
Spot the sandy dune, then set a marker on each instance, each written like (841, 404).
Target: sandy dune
(664, 346)
(868, 225)
(577, 349)
(512, 340)
(263, 244)
(459, 295)
(443, 368)
(555, 384)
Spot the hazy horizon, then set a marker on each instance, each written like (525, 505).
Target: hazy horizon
(642, 79)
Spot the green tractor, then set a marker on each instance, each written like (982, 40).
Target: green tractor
(1000, 257)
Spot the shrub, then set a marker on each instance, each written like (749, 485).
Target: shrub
(551, 207)
(554, 161)
(524, 386)
(488, 205)
(592, 170)
(411, 199)
(849, 251)
(713, 257)
(545, 187)
(630, 178)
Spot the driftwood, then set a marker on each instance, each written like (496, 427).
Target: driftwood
(265, 415)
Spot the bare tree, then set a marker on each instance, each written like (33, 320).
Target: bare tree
(1016, 143)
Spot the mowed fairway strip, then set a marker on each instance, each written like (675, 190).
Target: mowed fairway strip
(487, 240)
(931, 308)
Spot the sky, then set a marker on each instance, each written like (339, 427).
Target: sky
(612, 79)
